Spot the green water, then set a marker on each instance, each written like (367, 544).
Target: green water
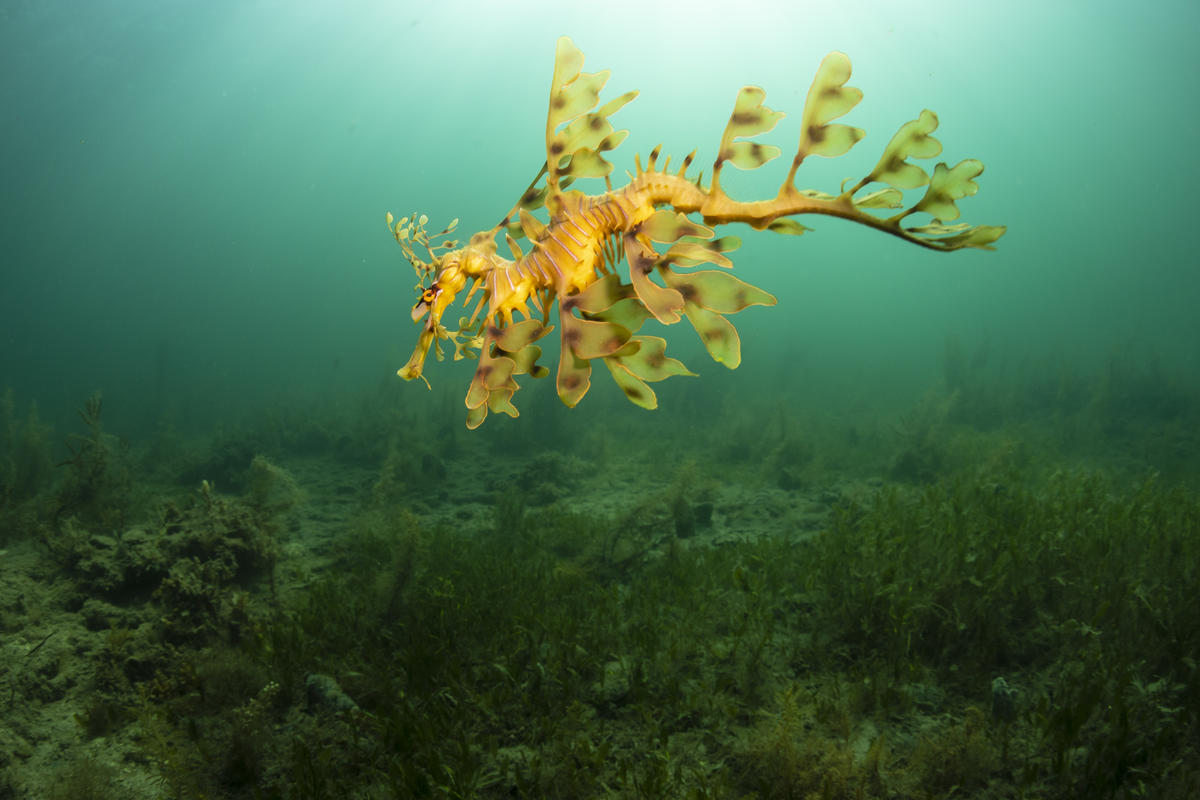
(194, 195)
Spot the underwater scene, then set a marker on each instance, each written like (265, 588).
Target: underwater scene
(660, 399)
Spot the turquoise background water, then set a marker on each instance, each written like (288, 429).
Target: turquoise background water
(194, 193)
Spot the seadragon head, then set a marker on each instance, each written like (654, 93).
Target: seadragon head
(438, 282)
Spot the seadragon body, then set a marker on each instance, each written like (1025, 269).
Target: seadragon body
(573, 261)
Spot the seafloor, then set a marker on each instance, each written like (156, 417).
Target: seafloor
(992, 593)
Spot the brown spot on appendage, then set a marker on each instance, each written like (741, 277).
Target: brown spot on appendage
(633, 392)
(529, 197)
(739, 298)
(556, 148)
(816, 134)
(569, 304)
(713, 335)
(745, 117)
(595, 121)
(558, 101)
(571, 380)
(656, 359)
(571, 336)
(756, 150)
(493, 332)
(891, 165)
(688, 291)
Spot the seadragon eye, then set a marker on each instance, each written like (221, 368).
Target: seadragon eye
(424, 302)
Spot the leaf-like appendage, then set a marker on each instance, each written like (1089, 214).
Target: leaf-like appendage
(719, 336)
(726, 244)
(501, 402)
(629, 313)
(749, 117)
(645, 357)
(667, 225)
(665, 304)
(689, 254)
(751, 155)
(600, 295)
(568, 61)
(591, 130)
(979, 236)
(499, 375)
(828, 98)
(883, 198)
(581, 94)
(477, 392)
(574, 151)
(476, 416)
(947, 185)
(586, 163)
(640, 361)
(592, 338)
(911, 141)
(718, 291)
(584, 139)
(516, 336)
(634, 387)
(574, 377)
(612, 141)
(491, 388)
(513, 247)
(526, 361)
(531, 226)
(788, 226)
(503, 353)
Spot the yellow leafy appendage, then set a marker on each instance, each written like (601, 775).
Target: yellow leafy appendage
(570, 267)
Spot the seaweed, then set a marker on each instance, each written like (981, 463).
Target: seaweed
(26, 466)
(98, 486)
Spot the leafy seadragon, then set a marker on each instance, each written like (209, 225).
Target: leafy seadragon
(573, 258)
